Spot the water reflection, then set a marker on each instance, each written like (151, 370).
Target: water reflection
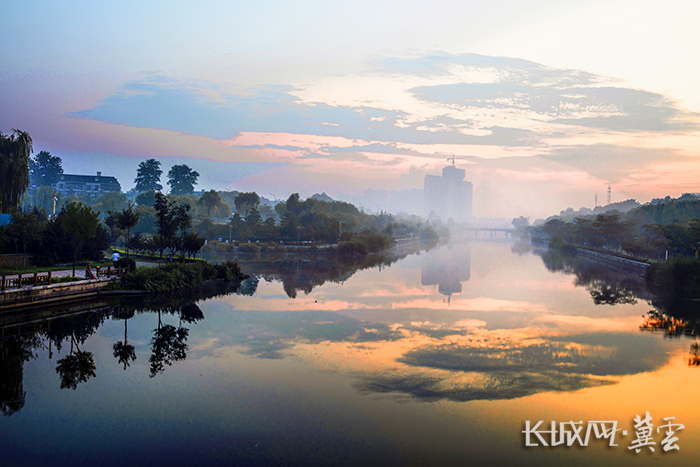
(303, 272)
(256, 374)
(169, 345)
(673, 316)
(606, 284)
(75, 368)
(14, 352)
(506, 370)
(447, 268)
(122, 351)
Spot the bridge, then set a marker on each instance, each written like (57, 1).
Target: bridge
(507, 231)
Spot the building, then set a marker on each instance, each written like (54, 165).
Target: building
(90, 186)
(449, 196)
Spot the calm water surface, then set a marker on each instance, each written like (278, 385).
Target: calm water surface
(437, 359)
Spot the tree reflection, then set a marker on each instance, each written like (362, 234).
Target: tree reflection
(169, 345)
(606, 285)
(75, 369)
(694, 359)
(14, 352)
(304, 272)
(124, 352)
(610, 294)
(191, 313)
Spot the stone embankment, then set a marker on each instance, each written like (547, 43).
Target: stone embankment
(628, 266)
(11, 299)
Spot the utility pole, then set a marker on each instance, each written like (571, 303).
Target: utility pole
(609, 194)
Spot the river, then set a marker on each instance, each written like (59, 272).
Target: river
(438, 358)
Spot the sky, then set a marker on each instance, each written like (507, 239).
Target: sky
(544, 103)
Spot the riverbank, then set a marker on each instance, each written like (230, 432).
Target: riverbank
(13, 299)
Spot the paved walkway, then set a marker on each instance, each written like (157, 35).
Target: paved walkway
(79, 271)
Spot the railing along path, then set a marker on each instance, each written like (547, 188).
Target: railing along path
(37, 279)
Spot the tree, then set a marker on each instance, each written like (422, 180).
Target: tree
(147, 198)
(246, 201)
(254, 218)
(192, 243)
(610, 228)
(125, 220)
(147, 219)
(45, 169)
(112, 201)
(148, 176)
(15, 150)
(165, 221)
(25, 231)
(44, 198)
(520, 222)
(209, 200)
(182, 180)
(80, 222)
(169, 218)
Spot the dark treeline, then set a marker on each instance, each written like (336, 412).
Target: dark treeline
(75, 233)
(77, 223)
(647, 231)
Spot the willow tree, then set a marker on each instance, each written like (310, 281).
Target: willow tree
(15, 150)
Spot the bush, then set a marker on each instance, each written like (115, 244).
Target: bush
(61, 280)
(249, 248)
(365, 242)
(180, 275)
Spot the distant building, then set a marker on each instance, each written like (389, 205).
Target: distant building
(90, 186)
(449, 196)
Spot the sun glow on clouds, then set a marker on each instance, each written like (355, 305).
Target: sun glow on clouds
(473, 304)
(345, 133)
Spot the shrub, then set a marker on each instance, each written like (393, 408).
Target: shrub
(179, 275)
(61, 280)
(249, 248)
